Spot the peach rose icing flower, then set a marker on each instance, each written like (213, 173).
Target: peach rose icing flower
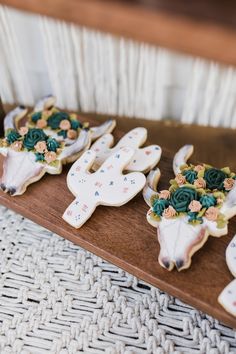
(41, 147)
(50, 156)
(198, 168)
(17, 145)
(23, 131)
(195, 206)
(169, 212)
(212, 213)
(229, 183)
(180, 179)
(65, 124)
(165, 194)
(200, 183)
(71, 134)
(41, 123)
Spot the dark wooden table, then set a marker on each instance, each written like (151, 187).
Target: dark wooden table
(122, 235)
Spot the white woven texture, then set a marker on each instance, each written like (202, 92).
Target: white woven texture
(56, 297)
(97, 72)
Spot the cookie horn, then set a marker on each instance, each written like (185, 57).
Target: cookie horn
(181, 157)
(82, 142)
(229, 205)
(106, 127)
(13, 117)
(150, 188)
(45, 103)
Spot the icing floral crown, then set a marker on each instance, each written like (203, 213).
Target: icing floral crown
(197, 191)
(36, 135)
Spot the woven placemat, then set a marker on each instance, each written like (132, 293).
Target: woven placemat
(56, 297)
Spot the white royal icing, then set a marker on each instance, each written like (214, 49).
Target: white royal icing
(143, 160)
(106, 186)
(227, 298)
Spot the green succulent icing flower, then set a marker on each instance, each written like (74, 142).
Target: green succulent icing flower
(207, 200)
(36, 116)
(159, 206)
(55, 119)
(182, 197)
(75, 124)
(12, 136)
(39, 156)
(52, 144)
(214, 178)
(32, 137)
(62, 133)
(190, 176)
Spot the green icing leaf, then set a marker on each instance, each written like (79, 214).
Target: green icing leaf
(153, 198)
(226, 170)
(173, 188)
(55, 163)
(201, 212)
(174, 184)
(155, 217)
(219, 195)
(201, 174)
(184, 167)
(221, 221)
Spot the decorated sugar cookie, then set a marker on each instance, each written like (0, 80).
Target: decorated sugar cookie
(49, 139)
(227, 297)
(144, 158)
(198, 203)
(106, 186)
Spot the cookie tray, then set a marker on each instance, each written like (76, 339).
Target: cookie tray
(122, 236)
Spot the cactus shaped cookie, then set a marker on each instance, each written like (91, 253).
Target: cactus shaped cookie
(106, 186)
(198, 203)
(227, 297)
(144, 158)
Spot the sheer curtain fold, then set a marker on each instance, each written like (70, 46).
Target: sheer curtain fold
(91, 71)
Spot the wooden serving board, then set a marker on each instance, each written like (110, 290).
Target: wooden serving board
(123, 237)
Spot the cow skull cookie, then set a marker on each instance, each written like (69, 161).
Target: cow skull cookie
(227, 297)
(144, 158)
(49, 139)
(106, 186)
(198, 203)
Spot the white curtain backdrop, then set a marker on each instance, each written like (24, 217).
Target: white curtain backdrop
(97, 72)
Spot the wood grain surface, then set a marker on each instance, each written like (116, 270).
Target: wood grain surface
(200, 28)
(122, 235)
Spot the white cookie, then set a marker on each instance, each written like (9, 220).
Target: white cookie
(106, 186)
(43, 145)
(144, 159)
(200, 201)
(227, 298)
